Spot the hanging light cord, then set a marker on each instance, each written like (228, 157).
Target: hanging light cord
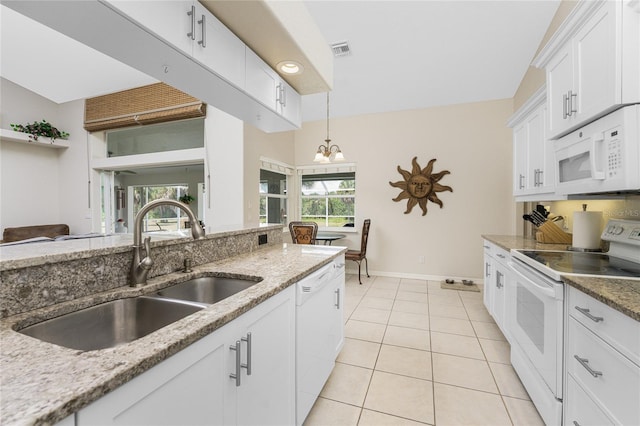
(327, 140)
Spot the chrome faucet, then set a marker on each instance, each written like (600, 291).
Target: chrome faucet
(142, 265)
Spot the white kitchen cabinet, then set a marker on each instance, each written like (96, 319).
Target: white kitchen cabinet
(267, 87)
(602, 366)
(337, 286)
(497, 278)
(533, 154)
(190, 27)
(195, 385)
(592, 64)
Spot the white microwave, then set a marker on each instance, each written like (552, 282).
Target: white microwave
(601, 157)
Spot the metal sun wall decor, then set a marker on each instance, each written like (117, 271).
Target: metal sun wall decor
(420, 185)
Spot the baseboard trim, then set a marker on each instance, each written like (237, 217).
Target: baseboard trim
(414, 276)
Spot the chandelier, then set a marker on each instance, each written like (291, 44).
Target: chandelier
(326, 153)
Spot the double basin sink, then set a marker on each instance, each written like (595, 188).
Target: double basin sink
(124, 320)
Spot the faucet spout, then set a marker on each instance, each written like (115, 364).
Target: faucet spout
(142, 265)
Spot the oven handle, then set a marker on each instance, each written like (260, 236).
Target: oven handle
(595, 174)
(531, 282)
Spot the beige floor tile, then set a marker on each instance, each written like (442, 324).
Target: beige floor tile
(407, 337)
(382, 285)
(452, 325)
(447, 311)
(382, 292)
(387, 280)
(450, 298)
(380, 316)
(359, 352)
(455, 344)
(407, 319)
(404, 361)
(364, 330)
(523, 413)
(470, 297)
(412, 296)
(464, 372)
(327, 412)
(416, 286)
(496, 350)
(509, 383)
(376, 302)
(487, 330)
(479, 313)
(459, 406)
(411, 307)
(348, 384)
(401, 396)
(373, 418)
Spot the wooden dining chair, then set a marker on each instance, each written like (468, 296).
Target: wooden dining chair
(303, 232)
(359, 255)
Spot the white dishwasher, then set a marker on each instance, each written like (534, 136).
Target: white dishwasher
(319, 332)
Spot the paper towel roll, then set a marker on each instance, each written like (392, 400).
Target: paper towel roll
(586, 230)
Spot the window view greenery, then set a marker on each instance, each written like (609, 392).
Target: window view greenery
(161, 218)
(329, 199)
(273, 197)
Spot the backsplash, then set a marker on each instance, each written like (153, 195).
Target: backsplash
(627, 208)
(24, 288)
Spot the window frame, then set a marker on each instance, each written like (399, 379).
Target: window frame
(285, 170)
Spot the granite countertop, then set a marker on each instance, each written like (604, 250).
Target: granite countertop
(43, 383)
(620, 294)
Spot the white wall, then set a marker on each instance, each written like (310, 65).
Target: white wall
(472, 141)
(40, 185)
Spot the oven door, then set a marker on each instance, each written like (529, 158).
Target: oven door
(536, 322)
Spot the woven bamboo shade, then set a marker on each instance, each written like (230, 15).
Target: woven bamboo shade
(151, 104)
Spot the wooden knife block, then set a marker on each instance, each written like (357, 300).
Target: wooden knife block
(551, 234)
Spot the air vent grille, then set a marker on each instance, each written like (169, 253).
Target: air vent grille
(341, 49)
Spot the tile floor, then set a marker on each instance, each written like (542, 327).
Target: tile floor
(418, 354)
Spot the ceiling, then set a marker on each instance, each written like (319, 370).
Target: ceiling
(404, 54)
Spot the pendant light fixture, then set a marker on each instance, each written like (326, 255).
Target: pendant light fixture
(325, 154)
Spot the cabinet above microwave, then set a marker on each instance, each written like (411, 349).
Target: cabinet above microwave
(601, 157)
(592, 64)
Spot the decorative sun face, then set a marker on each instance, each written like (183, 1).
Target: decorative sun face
(420, 186)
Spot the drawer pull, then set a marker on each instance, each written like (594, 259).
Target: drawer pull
(575, 423)
(587, 313)
(585, 363)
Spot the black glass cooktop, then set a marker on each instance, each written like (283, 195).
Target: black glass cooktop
(584, 263)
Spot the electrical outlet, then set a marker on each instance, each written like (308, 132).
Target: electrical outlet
(262, 239)
(420, 259)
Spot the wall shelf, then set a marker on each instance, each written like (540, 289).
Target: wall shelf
(19, 137)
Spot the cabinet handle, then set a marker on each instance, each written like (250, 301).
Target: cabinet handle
(487, 247)
(337, 298)
(499, 276)
(585, 363)
(238, 350)
(486, 269)
(521, 182)
(339, 265)
(575, 423)
(587, 313)
(564, 107)
(192, 33)
(283, 95)
(501, 256)
(540, 178)
(248, 364)
(570, 101)
(203, 31)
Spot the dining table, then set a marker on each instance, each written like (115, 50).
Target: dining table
(328, 237)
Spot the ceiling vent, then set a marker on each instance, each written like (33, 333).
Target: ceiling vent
(341, 49)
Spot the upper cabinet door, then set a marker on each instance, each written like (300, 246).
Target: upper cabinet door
(597, 82)
(217, 48)
(288, 102)
(261, 80)
(169, 20)
(559, 84)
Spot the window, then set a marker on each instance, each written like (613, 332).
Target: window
(273, 197)
(329, 199)
(161, 218)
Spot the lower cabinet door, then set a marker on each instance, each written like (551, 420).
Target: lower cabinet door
(581, 410)
(187, 388)
(267, 396)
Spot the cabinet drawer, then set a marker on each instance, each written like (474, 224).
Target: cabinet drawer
(615, 328)
(489, 247)
(608, 377)
(580, 409)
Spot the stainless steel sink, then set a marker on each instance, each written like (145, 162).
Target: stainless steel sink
(209, 289)
(112, 323)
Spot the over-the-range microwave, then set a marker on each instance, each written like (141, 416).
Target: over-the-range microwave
(601, 157)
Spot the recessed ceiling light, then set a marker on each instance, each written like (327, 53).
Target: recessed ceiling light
(290, 67)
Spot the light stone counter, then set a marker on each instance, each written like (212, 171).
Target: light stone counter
(620, 294)
(42, 383)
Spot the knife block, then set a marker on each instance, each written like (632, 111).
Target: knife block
(550, 234)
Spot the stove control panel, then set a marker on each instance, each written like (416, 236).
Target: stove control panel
(622, 231)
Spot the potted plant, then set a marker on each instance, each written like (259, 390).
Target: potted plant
(186, 198)
(42, 128)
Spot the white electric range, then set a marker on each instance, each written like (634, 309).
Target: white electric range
(535, 307)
